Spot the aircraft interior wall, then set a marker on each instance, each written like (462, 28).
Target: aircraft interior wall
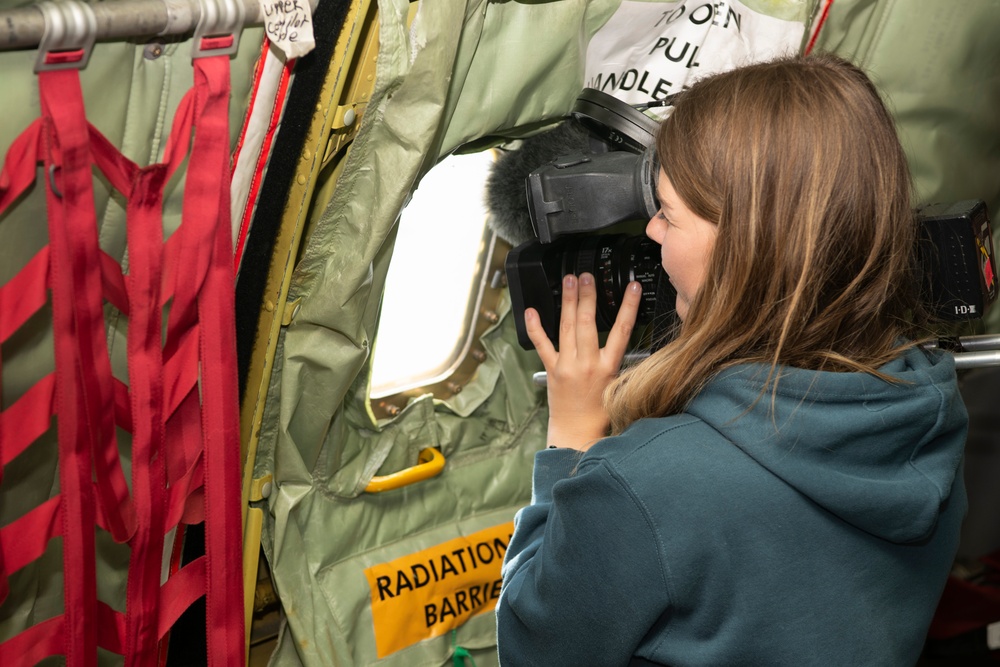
(373, 528)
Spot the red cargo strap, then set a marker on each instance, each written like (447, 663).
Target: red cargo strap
(181, 400)
(220, 400)
(84, 399)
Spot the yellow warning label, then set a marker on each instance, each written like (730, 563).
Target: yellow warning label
(428, 593)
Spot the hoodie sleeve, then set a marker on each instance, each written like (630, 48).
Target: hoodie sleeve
(583, 579)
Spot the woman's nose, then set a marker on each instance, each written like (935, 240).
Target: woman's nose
(651, 230)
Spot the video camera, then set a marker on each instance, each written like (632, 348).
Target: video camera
(583, 192)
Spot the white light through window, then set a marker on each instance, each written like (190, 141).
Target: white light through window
(433, 278)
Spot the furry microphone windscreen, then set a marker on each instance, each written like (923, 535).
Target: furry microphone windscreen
(506, 195)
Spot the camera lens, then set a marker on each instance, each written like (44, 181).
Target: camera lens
(614, 260)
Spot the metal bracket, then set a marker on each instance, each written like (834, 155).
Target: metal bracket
(219, 26)
(68, 36)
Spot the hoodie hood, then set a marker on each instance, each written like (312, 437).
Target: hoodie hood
(881, 456)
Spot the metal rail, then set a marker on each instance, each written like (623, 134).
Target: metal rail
(23, 28)
(975, 352)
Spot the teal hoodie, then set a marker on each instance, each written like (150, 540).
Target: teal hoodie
(811, 526)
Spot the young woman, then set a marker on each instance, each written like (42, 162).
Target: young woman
(782, 482)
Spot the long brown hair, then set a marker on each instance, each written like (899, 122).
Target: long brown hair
(798, 162)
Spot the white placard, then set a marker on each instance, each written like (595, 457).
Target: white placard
(648, 50)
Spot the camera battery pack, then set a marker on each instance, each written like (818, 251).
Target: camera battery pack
(957, 256)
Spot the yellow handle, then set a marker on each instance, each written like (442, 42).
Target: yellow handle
(431, 464)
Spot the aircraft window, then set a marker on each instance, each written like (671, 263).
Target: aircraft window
(443, 267)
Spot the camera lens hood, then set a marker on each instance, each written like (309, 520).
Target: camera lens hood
(614, 121)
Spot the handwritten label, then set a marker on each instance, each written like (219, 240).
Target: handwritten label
(289, 26)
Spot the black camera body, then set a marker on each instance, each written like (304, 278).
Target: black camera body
(585, 192)
(535, 271)
(581, 193)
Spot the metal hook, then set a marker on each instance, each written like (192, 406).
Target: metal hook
(52, 181)
(220, 23)
(68, 36)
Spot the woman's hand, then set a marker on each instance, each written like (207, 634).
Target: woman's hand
(580, 371)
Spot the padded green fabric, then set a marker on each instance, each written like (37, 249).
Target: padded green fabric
(318, 437)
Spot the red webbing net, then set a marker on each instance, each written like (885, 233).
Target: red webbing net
(180, 403)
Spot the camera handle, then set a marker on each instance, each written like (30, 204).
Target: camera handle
(969, 352)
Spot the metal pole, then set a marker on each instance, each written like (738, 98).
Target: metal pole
(966, 360)
(22, 28)
(980, 343)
